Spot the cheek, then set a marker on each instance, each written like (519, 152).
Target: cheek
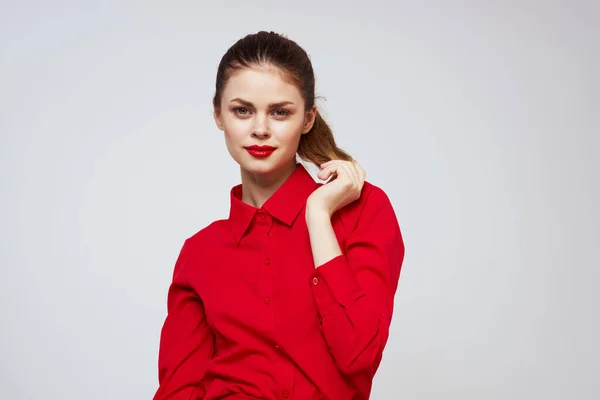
(235, 130)
(287, 130)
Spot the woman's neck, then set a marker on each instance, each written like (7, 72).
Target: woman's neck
(257, 188)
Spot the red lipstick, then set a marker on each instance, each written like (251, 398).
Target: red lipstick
(260, 151)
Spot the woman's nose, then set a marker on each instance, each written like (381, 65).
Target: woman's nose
(260, 128)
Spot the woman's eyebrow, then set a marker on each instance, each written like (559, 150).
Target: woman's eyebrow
(249, 104)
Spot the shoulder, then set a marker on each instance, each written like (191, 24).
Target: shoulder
(201, 242)
(373, 195)
(372, 199)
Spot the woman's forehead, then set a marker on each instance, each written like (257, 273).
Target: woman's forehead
(260, 85)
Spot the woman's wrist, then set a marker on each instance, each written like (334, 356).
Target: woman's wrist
(316, 213)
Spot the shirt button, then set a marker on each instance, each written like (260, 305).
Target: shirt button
(267, 300)
(263, 216)
(285, 393)
(315, 281)
(267, 261)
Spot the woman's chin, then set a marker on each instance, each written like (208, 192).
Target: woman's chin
(262, 166)
(258, 166)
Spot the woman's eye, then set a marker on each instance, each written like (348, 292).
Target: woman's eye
(243, 111)
(240, 111)
(282, 113)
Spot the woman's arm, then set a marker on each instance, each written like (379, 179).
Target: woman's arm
(186, 341)
(354, 289)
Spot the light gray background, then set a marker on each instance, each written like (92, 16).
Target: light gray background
(479, 119)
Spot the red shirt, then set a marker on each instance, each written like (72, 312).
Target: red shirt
(249, 316)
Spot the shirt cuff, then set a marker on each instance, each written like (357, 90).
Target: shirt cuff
(334, 282)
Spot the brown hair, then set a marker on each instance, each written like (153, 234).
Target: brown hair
(271, 49)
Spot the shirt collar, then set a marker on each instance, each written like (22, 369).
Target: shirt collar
(284, 204)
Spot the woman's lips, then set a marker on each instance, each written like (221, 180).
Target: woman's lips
(260, 151)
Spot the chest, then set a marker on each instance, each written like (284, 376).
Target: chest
(264, 281)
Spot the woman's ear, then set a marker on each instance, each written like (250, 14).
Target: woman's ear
(309, 119)
(217, 116)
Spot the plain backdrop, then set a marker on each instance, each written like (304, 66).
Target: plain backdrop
(479, 119)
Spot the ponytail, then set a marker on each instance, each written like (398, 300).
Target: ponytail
(318, 145)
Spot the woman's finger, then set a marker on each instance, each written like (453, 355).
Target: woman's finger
(329, 163)
(338, 169)
(350, 173)
(360, 171)
(328, 171)
(363, 173)
(355, 173)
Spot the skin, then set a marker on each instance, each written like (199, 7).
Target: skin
(345, 188)
(248, 116)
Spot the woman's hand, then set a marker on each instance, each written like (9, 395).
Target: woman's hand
(344, 188)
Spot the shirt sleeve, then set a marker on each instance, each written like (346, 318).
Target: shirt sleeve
(186, 340)
(355, 291)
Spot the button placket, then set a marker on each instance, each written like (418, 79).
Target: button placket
(266, 282)
(266, 275)
(285, 376)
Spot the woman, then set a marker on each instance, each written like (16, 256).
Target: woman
(291, 297)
